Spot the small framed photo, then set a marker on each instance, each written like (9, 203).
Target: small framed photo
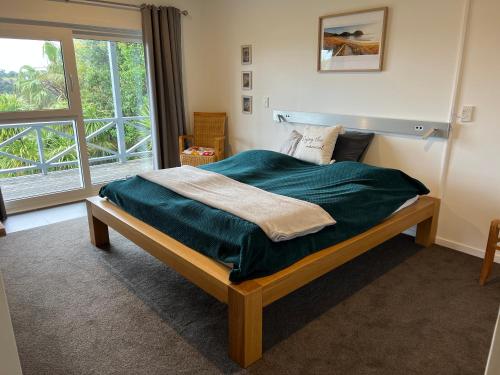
(246, 80)
(352, 41)
(246, 104)
(246, 55)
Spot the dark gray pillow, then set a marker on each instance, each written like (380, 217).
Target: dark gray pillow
(351, 146)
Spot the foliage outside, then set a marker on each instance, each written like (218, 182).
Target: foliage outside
(35, 88)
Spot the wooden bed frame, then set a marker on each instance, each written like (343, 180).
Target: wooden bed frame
(247, 299)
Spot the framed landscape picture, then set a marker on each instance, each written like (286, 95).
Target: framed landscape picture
(246, 55)
(246, 104)
(246, 80)
(352, 41)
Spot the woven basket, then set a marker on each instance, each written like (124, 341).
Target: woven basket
(195, 160)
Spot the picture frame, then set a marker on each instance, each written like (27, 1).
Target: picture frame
(352, 41)
(246, 80)
(246, 104)
(246, 54)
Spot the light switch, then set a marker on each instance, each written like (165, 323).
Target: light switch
(467, 113)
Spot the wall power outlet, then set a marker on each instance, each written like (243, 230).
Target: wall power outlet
(467, 113)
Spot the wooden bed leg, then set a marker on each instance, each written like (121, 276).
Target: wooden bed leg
(426, 230)
(245, 323)
(99, 235)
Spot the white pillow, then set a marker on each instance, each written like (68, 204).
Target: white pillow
(290, 145)
(317, 144)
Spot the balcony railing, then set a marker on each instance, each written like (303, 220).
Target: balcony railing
(56, 157)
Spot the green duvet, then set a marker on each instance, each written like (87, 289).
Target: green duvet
(356, 195)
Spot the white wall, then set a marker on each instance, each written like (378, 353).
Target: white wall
(71, 13)
(422, 47)
(472, 191)
(415, 84)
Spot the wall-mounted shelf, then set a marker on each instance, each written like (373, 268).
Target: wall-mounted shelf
(422, 129)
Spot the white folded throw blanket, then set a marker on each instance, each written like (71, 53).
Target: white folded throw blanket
(280, 217)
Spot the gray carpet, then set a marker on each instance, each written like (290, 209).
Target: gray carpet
(398, 309)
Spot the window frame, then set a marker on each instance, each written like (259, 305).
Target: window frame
(65, 37)
(65, 33)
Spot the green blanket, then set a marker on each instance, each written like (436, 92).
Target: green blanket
(356, 195)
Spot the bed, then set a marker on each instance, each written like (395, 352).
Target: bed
(259, 271)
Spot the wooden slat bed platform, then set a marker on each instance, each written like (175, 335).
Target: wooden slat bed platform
(247, 299)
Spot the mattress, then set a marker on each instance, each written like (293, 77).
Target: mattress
(357, 195)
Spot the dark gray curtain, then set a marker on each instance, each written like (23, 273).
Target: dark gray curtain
(161, 30)
(3, 213)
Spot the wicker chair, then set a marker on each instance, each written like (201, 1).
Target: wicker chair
(209, 131)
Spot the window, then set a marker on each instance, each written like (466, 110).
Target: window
(74, 113)
(32, 75)
(115, 104)
(38, 159)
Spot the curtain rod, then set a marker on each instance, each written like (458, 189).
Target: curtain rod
(108, 4)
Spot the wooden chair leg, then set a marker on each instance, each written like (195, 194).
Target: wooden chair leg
(245, 323)
(491, 248)
(99, 234)
(427, 229)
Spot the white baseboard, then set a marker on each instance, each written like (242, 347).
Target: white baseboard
(464, 248)
(455, 245)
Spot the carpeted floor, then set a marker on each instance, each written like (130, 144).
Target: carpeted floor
(398, 309)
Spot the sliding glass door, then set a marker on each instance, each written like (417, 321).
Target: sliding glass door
(40, 114)
(115, 106)
(73, 114)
